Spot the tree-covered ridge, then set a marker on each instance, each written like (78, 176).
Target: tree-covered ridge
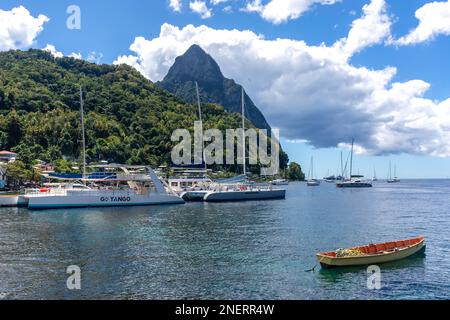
(128, 118)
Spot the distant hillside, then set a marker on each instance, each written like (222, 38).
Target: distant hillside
(197, 65)
(128, 118)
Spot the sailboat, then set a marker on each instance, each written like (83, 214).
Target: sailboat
(192, 183)
(374, 175)
(390, 179)
(312, 182)
(245, 190)
(117, 185)
(355, 181)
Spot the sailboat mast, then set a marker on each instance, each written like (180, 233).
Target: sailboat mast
(351, 159)
(390, 170)
(82, 132)
(243, 132)
(342, 166)
(198, 102)
(201, 121)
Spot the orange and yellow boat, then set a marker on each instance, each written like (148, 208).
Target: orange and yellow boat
(372, 253)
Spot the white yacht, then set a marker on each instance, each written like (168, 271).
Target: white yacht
(390, 179)
(280, 182)
(244, 190)
(312, 182)
(355, 181)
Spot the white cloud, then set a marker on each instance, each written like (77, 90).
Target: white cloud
(200, 7)
(434, 19)
(19, 29)
(76, 55)
(55, 53)
(175, 5)
(279, 11)
(95, 57)
(216, 2)
(373, 27)
(314, 93)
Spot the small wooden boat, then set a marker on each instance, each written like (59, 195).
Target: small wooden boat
(372, 253)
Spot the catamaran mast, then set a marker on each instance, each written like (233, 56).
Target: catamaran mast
(82, 132)
(201, 122)
(243, 132)
(351, 159)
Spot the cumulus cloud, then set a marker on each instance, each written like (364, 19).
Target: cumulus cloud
(55, 53)
(434, 20)
(216, 2)
(200, 7)
(19, 29)
(76, 55)
(175, 5)
(373, 27)
(314, 93)
(279, 11)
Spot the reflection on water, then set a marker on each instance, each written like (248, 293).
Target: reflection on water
(245, 250)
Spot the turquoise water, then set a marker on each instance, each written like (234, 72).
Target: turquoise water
(245, 250)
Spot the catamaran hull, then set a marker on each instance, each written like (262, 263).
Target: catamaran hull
(193, 195)
(244, 195)
(55, 202)
(354, 185)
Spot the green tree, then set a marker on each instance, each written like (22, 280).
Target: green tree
(17, 173)
(295, 172)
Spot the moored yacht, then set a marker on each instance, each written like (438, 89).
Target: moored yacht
(138, 188)
(244, 190)
(280, 182)
(390, 179)
(312, 181)
(355, 181)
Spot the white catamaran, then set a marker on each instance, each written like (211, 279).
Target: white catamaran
(245, 190)
(116, 185)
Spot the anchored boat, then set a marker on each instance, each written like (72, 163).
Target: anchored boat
(105, 189)
(355, 181)
(245, 190)
(372, 253)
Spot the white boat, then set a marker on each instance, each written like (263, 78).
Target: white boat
(189, 186)
(390, 179)
(119, 189)
(280, 182)
(374, 175)
(312, 182)
(117, 185)
(355, 181)
(243, 191)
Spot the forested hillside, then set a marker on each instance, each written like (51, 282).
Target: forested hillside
(128, 118)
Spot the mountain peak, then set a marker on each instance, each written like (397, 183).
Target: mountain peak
(195, 65)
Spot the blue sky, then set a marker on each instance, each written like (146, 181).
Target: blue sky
(108, 28)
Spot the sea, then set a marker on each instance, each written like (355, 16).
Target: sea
(238, 250)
